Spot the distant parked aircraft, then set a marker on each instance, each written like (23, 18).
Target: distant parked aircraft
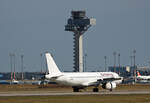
(141, 78)
(4, 82)
(15, 81)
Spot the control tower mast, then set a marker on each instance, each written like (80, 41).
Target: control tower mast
(78, 23)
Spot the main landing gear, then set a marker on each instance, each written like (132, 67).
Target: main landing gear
(95, 89)
(75, 89)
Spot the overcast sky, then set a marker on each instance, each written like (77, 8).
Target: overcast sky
(31, 27)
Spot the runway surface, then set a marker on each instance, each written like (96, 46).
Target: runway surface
(70, 93)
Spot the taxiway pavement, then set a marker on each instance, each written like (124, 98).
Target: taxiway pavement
(70, 93)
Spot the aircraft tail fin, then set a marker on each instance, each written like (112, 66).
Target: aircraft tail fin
(52, 67)
(138, 73)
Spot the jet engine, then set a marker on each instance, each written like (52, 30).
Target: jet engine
(109, 85)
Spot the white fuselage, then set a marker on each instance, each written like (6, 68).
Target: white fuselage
(143, 77)
(84, 78)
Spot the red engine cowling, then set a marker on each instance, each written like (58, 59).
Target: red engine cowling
(109, 85)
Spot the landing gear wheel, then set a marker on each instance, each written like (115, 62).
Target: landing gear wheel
(110, 90)
(75, 89)
(95, 90)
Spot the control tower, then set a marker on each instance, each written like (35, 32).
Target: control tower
(78, 23)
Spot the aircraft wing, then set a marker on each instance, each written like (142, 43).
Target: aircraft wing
(91, 83)
(104, 80)
(99, 81)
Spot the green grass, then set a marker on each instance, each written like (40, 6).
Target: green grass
(78, 99)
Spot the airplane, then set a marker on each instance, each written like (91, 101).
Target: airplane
(81, 80)
(141, 78)
(4, 82)
(15, 81)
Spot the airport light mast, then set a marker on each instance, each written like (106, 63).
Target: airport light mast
(11, 66)
(78, 23)
(14, 65)
(105, 58)
(135, 68)
(114, 53)
(22, 67)
(119, 60)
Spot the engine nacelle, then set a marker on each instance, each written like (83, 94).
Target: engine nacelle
(109, 85)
